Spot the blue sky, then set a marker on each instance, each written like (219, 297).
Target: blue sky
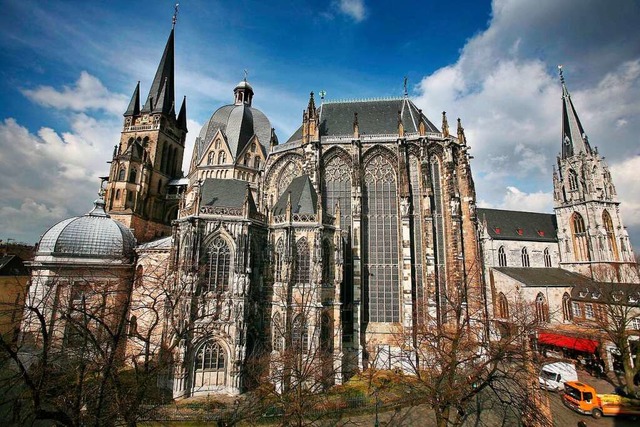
(68, 68)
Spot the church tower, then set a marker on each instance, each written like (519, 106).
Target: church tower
(148, 159)
(592, 238)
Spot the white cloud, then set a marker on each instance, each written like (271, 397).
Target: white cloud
(354, 9)
(505, 87)
(625, 178)
(88, 93)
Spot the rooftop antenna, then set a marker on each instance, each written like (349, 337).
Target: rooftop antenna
(175, 16)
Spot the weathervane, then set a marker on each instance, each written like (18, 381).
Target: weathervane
(322, 93)
(175, 15)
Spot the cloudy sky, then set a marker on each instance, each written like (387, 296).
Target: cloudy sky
(68, 68)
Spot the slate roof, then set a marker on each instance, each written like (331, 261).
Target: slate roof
(516, 225)
(375, 117)
(12, 265)
(239, 123)
(608, 293)
(304, 198)
(544, 276)
(228, 193)
(163, 243)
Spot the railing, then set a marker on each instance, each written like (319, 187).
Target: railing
(136, 128)
(221, 210)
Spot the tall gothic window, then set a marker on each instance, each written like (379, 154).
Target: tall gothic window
(566, 307)
(573, 180)
(440, 244)
(612, 244)
(503, 306)
(164, 159)
(133, 174)
(542, 309)
(580, 238)
(303, 262)
(210, 157)
(381, 265)
(525, 257)
(337, 188)
(121, 174)
(222, 157)
(417, 231)
(547, 257)
(210, 365)
(279, 255)
(217, 266)
(290, 171)
(502, 257)
(299, 334)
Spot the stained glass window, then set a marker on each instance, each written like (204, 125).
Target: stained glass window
(217, 265)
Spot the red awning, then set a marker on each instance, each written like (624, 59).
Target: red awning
(580, 344)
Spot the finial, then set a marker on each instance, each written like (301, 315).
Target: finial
(175, 16)
(461, 137)
(561, 75)
(406, 91)
(445, 124)
(322, 94)
(246, 73)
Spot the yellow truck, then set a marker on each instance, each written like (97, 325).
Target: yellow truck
(583, 399)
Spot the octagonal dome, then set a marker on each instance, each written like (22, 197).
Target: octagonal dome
(239, 122)
(94, 235)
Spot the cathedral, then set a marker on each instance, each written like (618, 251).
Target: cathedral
(337, 244)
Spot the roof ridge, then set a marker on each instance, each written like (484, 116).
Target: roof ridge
(372, 99)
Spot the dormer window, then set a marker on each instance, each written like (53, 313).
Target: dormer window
(616, 295)
(596, 295)
(583, 293)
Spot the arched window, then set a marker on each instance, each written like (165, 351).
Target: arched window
(121, 174)
(542, 309)
(287, 173)
(217, 144)
(210, 158)
(381, 244)
(502, 257)
(440, 237)
(580, 238)
(210, 365)
(133, 174)
(279, 255)
(547, 257)
(303, 262)
(253, 147)
(525, 257)
(277, 332)
(247, 159)
(299, 334)
(612, 244)
(573, 180)
(222, 157)
(566, 308)
(217, 266)
(118, 194)
(256, 163)
(164, 159)
(503, 306)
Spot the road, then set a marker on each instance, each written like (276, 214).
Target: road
(564, 417)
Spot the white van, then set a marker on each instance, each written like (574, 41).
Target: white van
(553, 375)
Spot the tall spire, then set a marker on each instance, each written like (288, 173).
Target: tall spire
(134, 104)
(182, 115)
(574, 139)
(162, 82)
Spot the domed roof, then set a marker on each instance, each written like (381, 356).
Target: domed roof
(94, 235)
(239, 122)
(243, 85)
